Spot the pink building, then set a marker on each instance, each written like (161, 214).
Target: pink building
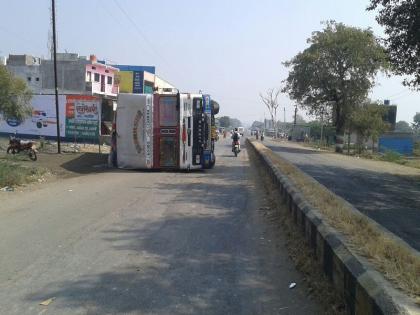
(100, 78)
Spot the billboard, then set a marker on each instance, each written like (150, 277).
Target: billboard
(138, 82)
(126, 81)
(42, 122)
(82, 116)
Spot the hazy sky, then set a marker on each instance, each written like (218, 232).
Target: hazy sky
(229, 49)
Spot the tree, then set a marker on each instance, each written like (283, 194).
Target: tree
(416, 122)
(335, 73)
(257, 125)
(403, 126)
(15, 96)
(224, 121)
(271, 102)
(401, 20)
(368, 122)
(234, 123)
(300, 120)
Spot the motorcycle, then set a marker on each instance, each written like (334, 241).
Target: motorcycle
(235, 148)
(16, 146)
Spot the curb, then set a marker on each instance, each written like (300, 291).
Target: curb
(364, 289)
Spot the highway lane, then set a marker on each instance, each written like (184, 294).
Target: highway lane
(387, 193)
(125, 242)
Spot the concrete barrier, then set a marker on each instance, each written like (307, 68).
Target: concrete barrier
(364, 289)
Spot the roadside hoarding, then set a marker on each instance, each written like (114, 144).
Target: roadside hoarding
(138, 82)
(42, 122)
(126, 81)
(82, 116)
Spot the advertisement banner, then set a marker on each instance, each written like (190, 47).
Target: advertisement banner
(138, 82)
(126, 81)
(43, 121)
(82, 116)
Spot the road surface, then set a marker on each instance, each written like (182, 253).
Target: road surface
(124, 242)
(389, 194)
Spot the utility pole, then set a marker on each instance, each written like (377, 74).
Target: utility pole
(294, 123)
(322, 127)
(55, 77)
(284, 115)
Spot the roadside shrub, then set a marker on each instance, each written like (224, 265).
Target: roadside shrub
(392, 156)
(417, 148)
(12, 174)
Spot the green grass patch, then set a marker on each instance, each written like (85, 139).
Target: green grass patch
(394, 157)
(14, 174)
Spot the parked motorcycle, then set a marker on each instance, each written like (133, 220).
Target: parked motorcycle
(17, 146)
(236, 148)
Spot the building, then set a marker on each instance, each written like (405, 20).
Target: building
(87, 89)
(141, 79)
(75, 74)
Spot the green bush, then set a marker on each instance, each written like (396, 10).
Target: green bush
(392, 156)
(417, 148)
(12, 174)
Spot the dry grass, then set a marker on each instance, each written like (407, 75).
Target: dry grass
(398, 264)
(299, 251)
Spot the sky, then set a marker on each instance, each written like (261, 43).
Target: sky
(232, 50)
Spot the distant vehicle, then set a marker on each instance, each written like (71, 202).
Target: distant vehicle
(241, 130)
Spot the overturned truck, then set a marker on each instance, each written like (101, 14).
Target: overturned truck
(164, 131)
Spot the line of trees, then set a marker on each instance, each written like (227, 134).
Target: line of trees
(228, 122)
(331, 78)
(334, 75)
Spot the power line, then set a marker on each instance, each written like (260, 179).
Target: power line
(399, 93)
(115, 19)
(140, 33)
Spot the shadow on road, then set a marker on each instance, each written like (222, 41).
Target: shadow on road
(186, 262)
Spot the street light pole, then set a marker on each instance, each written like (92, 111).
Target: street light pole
(55, 77)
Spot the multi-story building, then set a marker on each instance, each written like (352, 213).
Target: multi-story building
(75, 74)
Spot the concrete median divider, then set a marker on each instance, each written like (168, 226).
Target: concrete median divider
(364, 289)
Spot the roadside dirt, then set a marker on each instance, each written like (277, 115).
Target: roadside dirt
(275, 212)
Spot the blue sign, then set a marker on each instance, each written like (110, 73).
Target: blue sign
(13, 122)
(207, 104)
(138, 82)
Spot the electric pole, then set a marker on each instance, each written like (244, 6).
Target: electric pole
(55, 77)
(294, 123)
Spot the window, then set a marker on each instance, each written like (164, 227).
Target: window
(96, 77)
(37, 79)
(29, 79)
(93, 68)
(89, 76)
(106, 71)
(109, 80)
(168, 112)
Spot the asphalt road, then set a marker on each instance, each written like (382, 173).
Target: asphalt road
(124, 242)
(389, 194)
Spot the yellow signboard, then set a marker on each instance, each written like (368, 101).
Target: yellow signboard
(126, 81)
